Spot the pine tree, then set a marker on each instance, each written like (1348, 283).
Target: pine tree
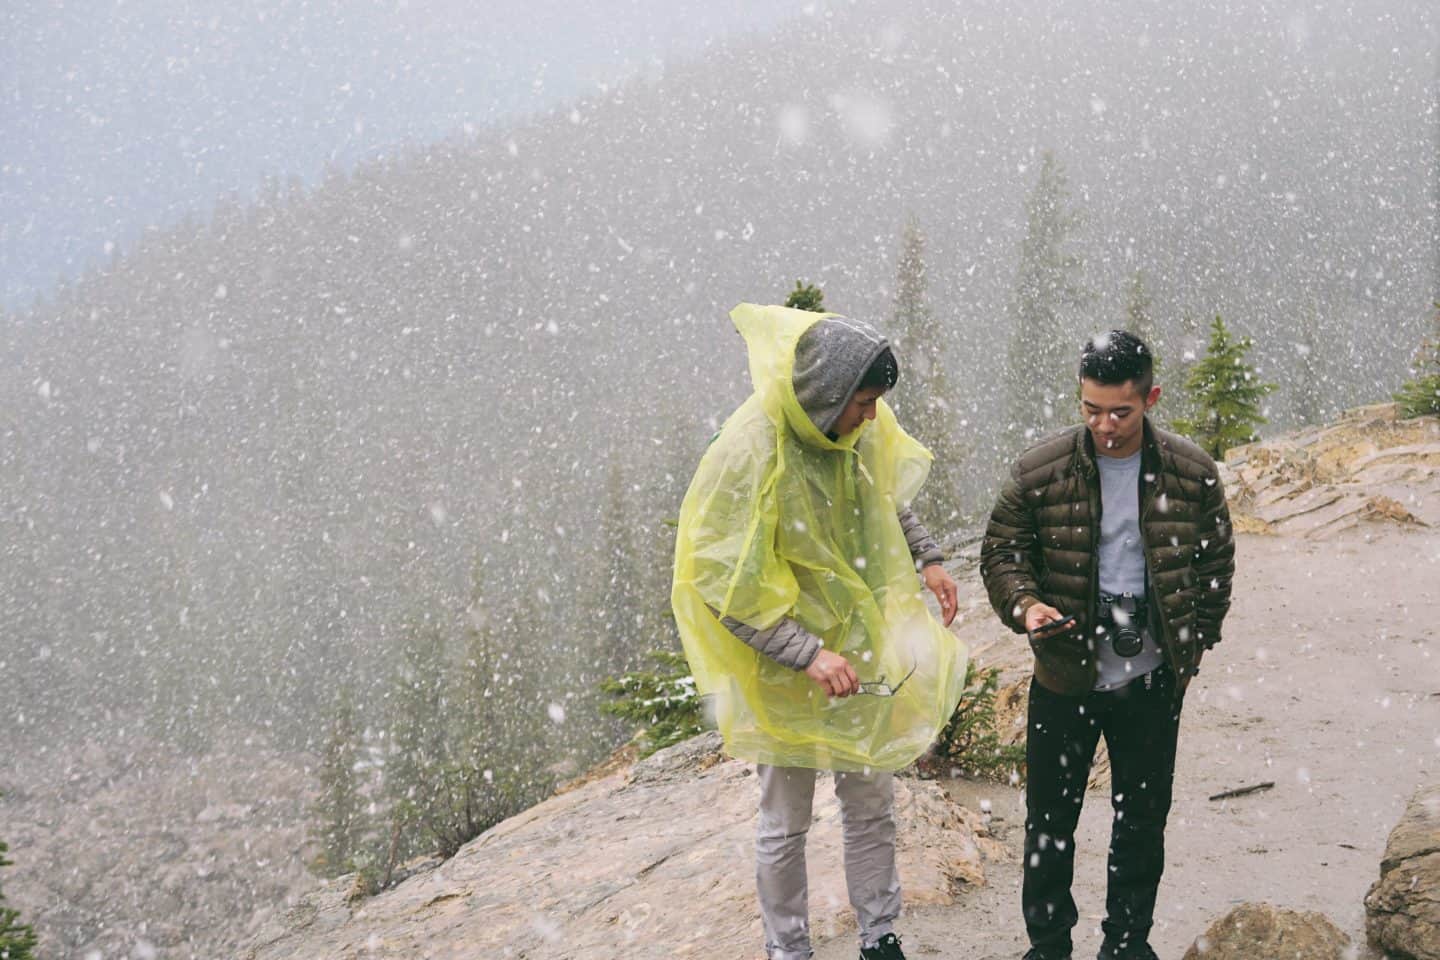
(923, 400)
(1186, 349)
(1308, 378)
(1139, 319)
(17, 940)
(482, 781)
(806, 296)
(970, 741)
(1045, 312)
(680, 447)
(481, 681)
(417, 734)
(500, 733)
(1226, 394)
(1420, 395)
(339, 810)
(619, 617)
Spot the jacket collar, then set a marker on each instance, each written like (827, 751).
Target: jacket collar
(1152, 459)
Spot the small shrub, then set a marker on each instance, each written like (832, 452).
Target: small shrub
(806, 296)
(663, 702)
(1420, 395)
(970, 742)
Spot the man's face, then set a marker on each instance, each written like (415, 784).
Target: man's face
(1115, 414)
(860, 408)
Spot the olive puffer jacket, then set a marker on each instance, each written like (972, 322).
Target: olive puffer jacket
(1043, 538)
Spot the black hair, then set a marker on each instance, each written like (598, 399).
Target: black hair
(883, 374)
(1118, 357)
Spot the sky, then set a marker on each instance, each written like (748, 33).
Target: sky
(118, 114)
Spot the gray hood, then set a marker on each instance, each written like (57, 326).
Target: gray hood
(830, 360)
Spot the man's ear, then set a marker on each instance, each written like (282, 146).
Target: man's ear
(1154, 396)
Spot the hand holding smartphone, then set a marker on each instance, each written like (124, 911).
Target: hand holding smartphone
(1047, 630)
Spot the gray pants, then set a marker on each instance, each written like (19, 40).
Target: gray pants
(867, 814)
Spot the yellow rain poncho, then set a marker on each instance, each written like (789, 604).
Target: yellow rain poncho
(781, 521)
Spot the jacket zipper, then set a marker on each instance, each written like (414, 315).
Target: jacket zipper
(1097, 509)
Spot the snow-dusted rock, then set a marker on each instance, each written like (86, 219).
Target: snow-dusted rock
(1402, 909)
(1317, 482)
(1259, 931)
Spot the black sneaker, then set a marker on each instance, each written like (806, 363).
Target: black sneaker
(887, 949)
(1125, 951)
(1035, 953)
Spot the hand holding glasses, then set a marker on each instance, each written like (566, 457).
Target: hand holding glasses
(879, 688)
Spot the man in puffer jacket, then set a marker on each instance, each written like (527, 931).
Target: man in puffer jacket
(1123, 526)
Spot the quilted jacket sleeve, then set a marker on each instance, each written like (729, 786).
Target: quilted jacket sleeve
(1214, 565)
(1007, 555)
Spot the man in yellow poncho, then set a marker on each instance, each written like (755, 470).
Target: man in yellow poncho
(799, 605)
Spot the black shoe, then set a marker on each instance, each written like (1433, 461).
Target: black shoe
(1035, 953)
(887, 949)
(1110, 950)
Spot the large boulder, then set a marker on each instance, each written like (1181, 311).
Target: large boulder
(1258, 931)
(1402, 910)
(655, 861)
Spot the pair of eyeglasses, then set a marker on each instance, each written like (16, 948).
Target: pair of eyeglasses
(879, 688)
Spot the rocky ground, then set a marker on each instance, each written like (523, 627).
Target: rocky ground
(1327, 686)
(649, 862)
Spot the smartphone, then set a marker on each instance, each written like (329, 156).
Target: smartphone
(1048, 630)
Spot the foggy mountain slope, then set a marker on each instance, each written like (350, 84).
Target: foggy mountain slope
(250, 448)
(134, 849)
(241, 463)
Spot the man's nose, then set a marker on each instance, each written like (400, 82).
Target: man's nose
(870, 414)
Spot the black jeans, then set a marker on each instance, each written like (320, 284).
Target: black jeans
(1141, 722)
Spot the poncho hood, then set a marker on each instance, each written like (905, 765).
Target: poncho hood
(807, 363)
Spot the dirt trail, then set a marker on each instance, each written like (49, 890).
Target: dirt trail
(1327, 683)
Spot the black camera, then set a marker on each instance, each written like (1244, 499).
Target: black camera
(1126, 614)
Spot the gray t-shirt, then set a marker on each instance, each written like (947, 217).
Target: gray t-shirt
(1122, 566)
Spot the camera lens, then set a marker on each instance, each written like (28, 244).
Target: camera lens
(1127, 641)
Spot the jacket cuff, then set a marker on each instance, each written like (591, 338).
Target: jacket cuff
(1018, 608)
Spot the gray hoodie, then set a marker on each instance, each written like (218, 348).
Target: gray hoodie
(831, 359)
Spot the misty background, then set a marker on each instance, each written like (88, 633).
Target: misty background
(390, 335)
